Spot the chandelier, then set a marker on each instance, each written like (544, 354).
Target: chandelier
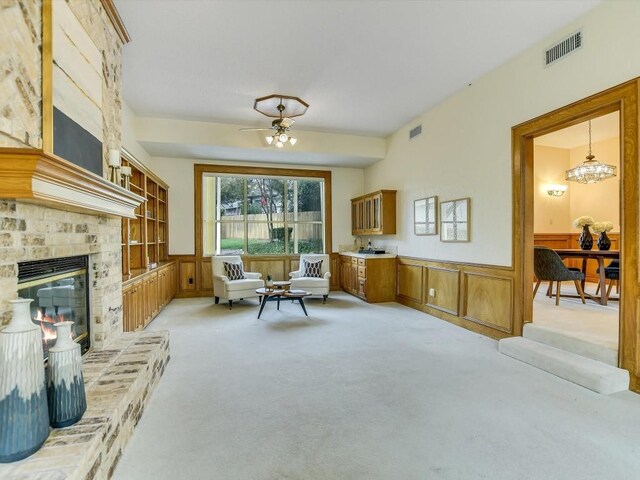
(591, 170)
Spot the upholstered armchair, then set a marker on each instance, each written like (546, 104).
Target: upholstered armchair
(312, 276)
(227, 270)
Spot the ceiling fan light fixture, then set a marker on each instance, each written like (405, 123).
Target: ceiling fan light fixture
(275, 106)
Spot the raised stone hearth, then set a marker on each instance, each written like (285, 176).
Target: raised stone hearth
(119, 380)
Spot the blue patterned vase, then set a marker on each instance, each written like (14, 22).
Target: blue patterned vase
(65, 389)
(24, 418)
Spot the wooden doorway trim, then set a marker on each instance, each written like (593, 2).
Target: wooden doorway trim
(624, 99)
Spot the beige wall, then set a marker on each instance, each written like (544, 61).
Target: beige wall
(129, 137)
(346, 183)
(598, 200)
(551, 214)
(465, 148)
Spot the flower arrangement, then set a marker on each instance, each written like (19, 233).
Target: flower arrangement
(582, 221)
(599, 227)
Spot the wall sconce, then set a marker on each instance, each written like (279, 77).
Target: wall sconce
(556, 190)
(114, 164)
(126, 176)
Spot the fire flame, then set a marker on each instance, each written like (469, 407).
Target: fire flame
(46, 322)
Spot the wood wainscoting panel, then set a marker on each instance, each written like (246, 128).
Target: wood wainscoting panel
(187, 276)
(464, 294)
(206, 275)
(410, 281)
(275, 267)
(488, 300)
(198, 270)
(446, 285)
(294, 264)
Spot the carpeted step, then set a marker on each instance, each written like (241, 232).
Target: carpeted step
(580, 346)
(589, 373)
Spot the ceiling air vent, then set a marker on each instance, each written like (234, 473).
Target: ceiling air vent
(415, 132)
(565, 47)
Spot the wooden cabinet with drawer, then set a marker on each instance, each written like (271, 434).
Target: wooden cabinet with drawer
(372, 279)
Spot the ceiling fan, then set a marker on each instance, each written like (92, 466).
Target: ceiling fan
(274, 106)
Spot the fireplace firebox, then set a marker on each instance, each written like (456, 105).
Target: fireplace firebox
(59, 291)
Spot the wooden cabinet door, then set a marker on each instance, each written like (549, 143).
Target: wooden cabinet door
(162, 288)
(345, 277)
(132, 307)
(126, 309)
(362, 287)
(376, 213)
(354, 278)
(354, 215)
(150, 298)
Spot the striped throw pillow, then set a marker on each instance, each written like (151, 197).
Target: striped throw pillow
(234, 271)
(312, 269)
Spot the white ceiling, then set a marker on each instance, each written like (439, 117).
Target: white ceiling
(602, 128)
(365, 67)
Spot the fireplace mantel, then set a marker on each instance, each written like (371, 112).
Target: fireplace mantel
(33, 175)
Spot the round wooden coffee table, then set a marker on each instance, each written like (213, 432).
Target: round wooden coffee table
(297, 295)
(269, 295)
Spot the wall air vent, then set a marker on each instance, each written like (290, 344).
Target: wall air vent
(415, 132)
(570, 44)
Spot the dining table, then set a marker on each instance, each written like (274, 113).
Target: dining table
(600, 256)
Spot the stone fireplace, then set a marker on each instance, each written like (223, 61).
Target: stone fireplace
(30, 232)
(120, 369)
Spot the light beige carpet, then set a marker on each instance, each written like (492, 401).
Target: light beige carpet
(365, 392)
(591, 322)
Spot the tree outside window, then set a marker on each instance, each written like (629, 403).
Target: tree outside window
(264, 215)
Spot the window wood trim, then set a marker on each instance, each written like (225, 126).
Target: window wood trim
(201, 169)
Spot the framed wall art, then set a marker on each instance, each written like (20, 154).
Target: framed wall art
(454, 220)
(425, 216)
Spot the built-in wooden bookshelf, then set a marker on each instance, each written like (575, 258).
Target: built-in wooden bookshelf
(145, 237)
(149, 279)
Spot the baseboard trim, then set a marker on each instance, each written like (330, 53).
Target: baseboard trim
(460, 322)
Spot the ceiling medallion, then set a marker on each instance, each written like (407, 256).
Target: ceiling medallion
(283, 108)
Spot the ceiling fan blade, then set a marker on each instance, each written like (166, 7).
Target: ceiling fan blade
(286, 122)
(253, 129)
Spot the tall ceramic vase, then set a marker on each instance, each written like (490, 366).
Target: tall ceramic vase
(67, 399)
(585, 239)
(24, 419)
(604, 243)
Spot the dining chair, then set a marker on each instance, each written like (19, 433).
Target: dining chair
(611, 273)
(548, 266)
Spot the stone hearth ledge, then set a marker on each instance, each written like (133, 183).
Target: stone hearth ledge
(118, 381)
